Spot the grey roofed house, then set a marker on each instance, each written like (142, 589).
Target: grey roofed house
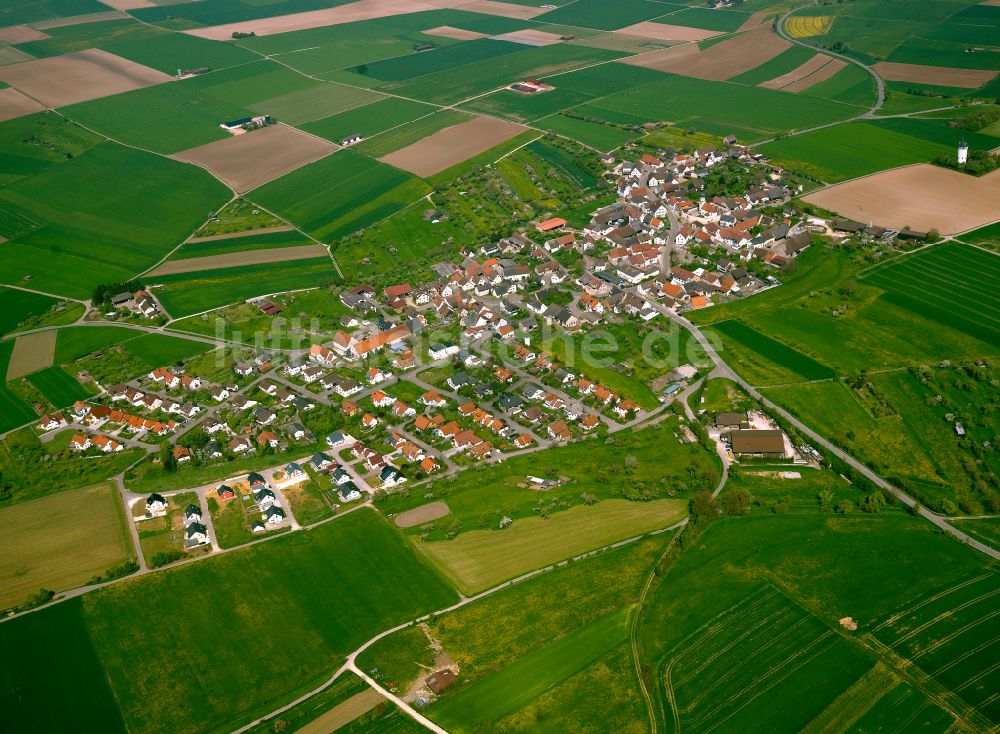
(509, 402)
(482, 390)
(532, 392)
(349, 492)
(274, 514)
(460, 379)
(335, 439)
(192, 511)
(254, 478)
(263, 495)
(195, 529)
(321, 460)
(340, 476)
(120, 298)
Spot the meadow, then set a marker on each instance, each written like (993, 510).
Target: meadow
(402, 68)
(604, 138)
(33, 143)
(74, 342)
(53, 679)
(773, 350)
(162, 350)
(713, 19)
(479, 559)
(600, 15)
(339, 194)
(267, 241)
(184, 294)
(537, 614)
(858, 148)
(598, 370)
(13, 410)
(369, 120)
(777, 576)
(17, 306)
(105, 217)
(286, 641)
(61, 541)
(719, 108)
(58, 386)
(314, 103)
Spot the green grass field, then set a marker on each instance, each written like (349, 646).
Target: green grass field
(410, 66)
(189, 293)
(268, 241)
(285, 641)
(368, 120)
(604, 138)
(58, 386)
(340, 194)
(974, 309)
(787, 357)
(600, 15)
(76, 341)
(479, 559)
(105, 217)
(515, 686)
(314, 103)
(409, 133)
(17, 307)
(161, 350)
(13, 410)
(62, 541)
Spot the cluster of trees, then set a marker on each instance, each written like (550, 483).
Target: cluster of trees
(103, 293)
(978, 118)
(980, 162)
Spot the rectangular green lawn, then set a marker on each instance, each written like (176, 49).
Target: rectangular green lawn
(58, 386)
(340, 194)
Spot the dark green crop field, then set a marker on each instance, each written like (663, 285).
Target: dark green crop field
(775, 351)
(58, 386)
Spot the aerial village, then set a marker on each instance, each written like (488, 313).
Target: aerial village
(425, 380)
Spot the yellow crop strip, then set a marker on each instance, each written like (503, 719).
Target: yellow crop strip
(808, 26)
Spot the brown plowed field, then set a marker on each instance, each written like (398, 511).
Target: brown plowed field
(246, 161)
(822, 75)
(755, 20)
(128, 4)
(664, 32)
(343, 713)
(245, 233)
(21, 34)
(721, 61)
(81, 19)
(812, 65)
(14, 104)
(452, 145)
(424, 513)
(32, 352)
(238, 259)
(459, 34)
(921, 196)
(80, 76)
(942, 76)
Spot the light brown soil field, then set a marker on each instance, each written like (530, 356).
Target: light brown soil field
(664, 32)
(246, 161)
(21, 34)
(921, 196)
(758, 18)
(246, 233)
(425, 513)
(452, 145)
(990, 2)
(236, 259)
(60, 542)
(343, 713)
(665, 59)
(628, 44)
(491, 7)
(11, 55)
(127, 4)
(812, 65)
(726, 59)
(14, 104)
(80, 76)
(529, 37)
(816, 77)
(942, 76)
(31, 353)
(81, 19)
(459, 34)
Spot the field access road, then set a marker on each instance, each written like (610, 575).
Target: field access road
(724, 370)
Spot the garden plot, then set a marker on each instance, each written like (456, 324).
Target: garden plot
(665, 32)
(452, 145)
(238, 259)
(14, 104)
(246, 161)
(922, 197)
(941, 76)
(78, 77)
(32, 352)
(721, 61)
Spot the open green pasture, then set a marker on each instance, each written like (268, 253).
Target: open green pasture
(17, 307)
(788, 357)
(30, 11)
(988, 235)
(518, 684)
(438, 60)
(788, 60)
(106, 216)
(713, 19)
(973, 308)
(58, 386)
(285, 642)
(184, 294)
(162, 350)
(13, 410)
(605, 16)
(390, 112)
(752, 113)
(252, 83)
(943, 53)
(771, 578)
(858, 148)
(454, 85)
(340, 194)
(74, 342)
(315, 103)
(604, 138)
(30, 144)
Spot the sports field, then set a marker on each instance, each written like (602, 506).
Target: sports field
(974, 307)
(62, 541)
(58, 386)
(479, 559)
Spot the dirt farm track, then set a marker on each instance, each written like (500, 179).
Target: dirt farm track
(921, 196)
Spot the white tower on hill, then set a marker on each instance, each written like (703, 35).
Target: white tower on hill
(963, 152)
